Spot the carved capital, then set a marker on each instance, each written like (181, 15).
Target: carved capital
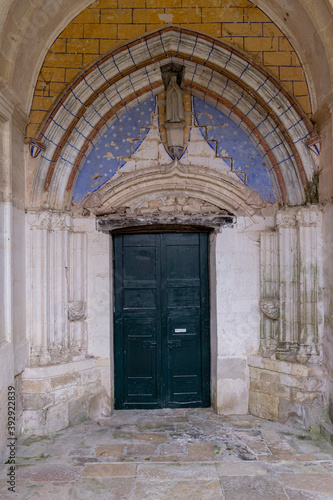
(308, 216)
(286, 219)
(53, 221)
(76, 310)
(60, 222)
(39, 219)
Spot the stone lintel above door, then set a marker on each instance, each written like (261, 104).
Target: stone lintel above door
(212, 222)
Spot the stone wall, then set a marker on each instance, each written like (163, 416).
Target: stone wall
(290, 393)
(57, 396)
(235, 313)
(14, 351)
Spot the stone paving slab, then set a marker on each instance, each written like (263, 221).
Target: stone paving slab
(41, 491)
(54, 473)
(109, 470)
(178, 490)
(243, 469)
(185, 454)
(168, 472)
(103, 489)
(311, 483)
(254, 488)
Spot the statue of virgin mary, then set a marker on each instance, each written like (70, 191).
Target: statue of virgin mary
(174, 102)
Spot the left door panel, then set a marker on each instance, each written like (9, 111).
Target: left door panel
(137, 321)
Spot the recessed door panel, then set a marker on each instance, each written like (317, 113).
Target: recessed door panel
(161, 320)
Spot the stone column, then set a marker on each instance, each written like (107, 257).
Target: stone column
(308, 220)
(289, 303)
(77, 293)
(59, 231)
(38, 295)
(269, 293)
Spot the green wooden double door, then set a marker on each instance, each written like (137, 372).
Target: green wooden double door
(161, 332)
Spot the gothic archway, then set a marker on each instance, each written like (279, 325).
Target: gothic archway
(213, 71)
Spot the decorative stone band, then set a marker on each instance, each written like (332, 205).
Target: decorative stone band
(49, 220)
(212, 222)
(126, 76)
(295, 217)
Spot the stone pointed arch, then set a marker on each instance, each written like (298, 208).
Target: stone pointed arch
(216, 72)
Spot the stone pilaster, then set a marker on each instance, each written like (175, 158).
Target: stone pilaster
(57, 285)
(269, 293)
(289, 303)
(308, 220)
(38, 291)
(77, 293)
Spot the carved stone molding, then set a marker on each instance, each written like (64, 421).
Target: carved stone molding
(52, 221)
(270, 308)
(286, 218)
(308, 216)
(209, 185)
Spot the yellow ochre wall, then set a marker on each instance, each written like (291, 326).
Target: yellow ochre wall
(108, 23)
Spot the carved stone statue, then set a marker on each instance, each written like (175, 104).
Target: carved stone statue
(174, 102)
(174, 118)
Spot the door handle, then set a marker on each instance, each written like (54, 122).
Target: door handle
(148, 344)
(174, 343)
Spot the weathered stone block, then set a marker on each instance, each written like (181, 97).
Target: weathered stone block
(306, 397)
(277, 390)
(310, 384)
(36, 386)
(254, 373)
(301, 415)
(37, 401)
(88, 389)
(95, 405)
(33, 422)
(78, 410)
(56, 418)
(277, 366)
(64, 394)
(272, 377)
(62, 380)
(155, 203)
(91, 376)
(264, 405)
(300, 370)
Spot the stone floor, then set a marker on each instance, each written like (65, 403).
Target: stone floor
(190, 454)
